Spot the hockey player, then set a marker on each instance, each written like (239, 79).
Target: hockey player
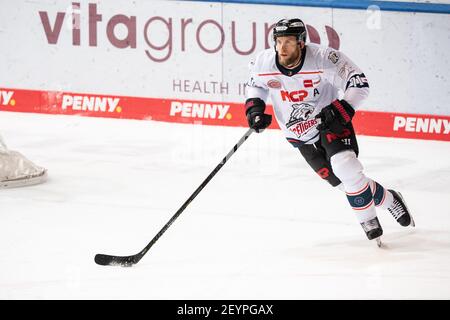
(305, 83)
(17, 171)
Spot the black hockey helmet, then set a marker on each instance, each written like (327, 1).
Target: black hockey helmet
(290, 27)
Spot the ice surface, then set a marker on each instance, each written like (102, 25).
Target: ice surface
(266, 227)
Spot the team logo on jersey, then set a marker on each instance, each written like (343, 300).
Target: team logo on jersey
(299, 121)
(333, 56)
(274, 84)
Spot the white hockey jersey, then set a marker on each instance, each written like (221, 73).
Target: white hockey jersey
(298, 95)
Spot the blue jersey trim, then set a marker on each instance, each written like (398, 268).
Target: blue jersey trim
(350, 4)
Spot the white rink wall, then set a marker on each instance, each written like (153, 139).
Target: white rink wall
(188, 49)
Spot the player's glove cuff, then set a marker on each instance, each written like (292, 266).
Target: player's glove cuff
(345, 110)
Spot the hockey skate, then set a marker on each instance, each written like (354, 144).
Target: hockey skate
(400, 211)
(373, 230)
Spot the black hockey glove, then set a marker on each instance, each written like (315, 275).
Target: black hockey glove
(335, 116)
(257, 119)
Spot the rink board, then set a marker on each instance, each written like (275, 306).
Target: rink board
(186, 61)
(372, 123)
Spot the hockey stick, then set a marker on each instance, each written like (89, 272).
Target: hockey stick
(128, 261)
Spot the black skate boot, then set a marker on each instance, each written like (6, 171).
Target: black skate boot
(400, 211)
(373, 229)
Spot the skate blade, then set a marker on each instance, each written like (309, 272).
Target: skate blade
(412, 224)
(379, 243)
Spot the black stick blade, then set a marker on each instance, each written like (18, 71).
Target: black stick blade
(107, 260)
(128, 261)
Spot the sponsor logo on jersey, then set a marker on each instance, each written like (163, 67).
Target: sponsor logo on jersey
(294, 96)
(199, 110)
(333, 56)
(419, 124)
(274, 84)
(90, 103)
(6, 98)
(299, 121)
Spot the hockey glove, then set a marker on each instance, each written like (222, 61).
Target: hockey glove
(335, 116)
(256, 117)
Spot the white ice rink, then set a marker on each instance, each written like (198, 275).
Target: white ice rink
(266, 227)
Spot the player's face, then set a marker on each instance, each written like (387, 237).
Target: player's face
(288, 50)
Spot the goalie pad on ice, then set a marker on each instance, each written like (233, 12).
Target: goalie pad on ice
(17, 171)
